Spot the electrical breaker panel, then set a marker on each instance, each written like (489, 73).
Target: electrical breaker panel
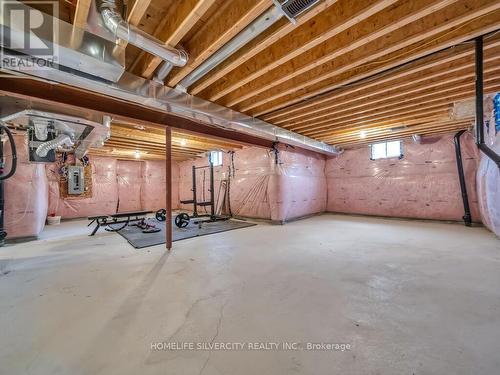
(76, 181)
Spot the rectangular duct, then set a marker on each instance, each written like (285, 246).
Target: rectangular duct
(117, 83)
(48, 125)
(76, 50)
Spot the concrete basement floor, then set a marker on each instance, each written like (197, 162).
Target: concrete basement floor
(409, 297)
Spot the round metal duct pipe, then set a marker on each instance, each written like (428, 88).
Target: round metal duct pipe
(111, 12)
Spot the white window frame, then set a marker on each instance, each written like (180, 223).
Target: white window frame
(215, 158)
(400, 156)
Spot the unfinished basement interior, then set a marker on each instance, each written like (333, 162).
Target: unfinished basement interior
(215, 187)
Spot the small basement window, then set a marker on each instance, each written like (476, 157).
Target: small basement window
(215, 157)
(386, 150)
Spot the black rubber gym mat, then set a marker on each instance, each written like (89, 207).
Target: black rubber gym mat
(139, 240)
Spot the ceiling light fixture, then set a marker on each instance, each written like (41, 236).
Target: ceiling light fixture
(362, 134)
(137, 154)
(183, 142)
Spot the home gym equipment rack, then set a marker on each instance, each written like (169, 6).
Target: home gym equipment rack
(182, 220)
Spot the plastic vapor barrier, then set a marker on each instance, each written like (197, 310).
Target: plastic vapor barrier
(26, 194)
(488, 174)
(153, 190)
(260, 188)
(423, 184)
(116, 184)
(104, 198)
(129, 177)
(302, 185)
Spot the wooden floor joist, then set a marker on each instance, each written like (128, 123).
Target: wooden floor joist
(420, 108)
(149, 143)
(413, 84)
(231, 18)
(401, 101)
(326, 25)
(436, 64)
(172, 29)
(261, 43)
(401, 135)
(399, 19)
(346, 68)
(407, 44)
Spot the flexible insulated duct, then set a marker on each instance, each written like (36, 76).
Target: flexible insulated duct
(111, 12)
(62, 139)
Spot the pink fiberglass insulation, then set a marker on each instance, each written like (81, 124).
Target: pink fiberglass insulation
(25, 194)
(104, 198)
(126, 185)
(129, 178)
(488, 174)
(302, 185)
(424, 184)
(252, 182)
(259, 188)
(153, 191)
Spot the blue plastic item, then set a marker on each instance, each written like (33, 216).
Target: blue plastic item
(496, 103)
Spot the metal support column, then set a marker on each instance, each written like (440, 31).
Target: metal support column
(212, 192)
(168, 182)
(195, 194)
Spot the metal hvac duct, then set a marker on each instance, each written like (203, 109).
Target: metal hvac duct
(77, 133)
(150, 94)
(291, 9)
(111, 12)
(74, 49)
(246, 35)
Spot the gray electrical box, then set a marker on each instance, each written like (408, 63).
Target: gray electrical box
(76, 181)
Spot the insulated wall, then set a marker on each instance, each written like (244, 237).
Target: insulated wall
(153, 188)
(104, 198)
(116, 185)
(260, 188)
(26, 194)
(424, 184)
(129, 178)
(301, 183)
(488, 173)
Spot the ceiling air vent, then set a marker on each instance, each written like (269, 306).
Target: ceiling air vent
(293, 8)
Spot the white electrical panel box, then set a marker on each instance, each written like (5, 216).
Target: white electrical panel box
(76, 181)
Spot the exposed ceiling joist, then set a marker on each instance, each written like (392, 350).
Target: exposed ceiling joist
(445, 28)
(266, 39)
(452, 127)
(231, 18)
(81, 13)
(334, 20)
(182, 16)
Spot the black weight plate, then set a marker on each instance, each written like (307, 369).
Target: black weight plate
(182, 220)
(160, 215)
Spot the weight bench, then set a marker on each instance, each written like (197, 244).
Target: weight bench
(123, 218)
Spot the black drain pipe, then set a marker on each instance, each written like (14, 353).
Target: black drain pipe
(479, 105)
(463, 187)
